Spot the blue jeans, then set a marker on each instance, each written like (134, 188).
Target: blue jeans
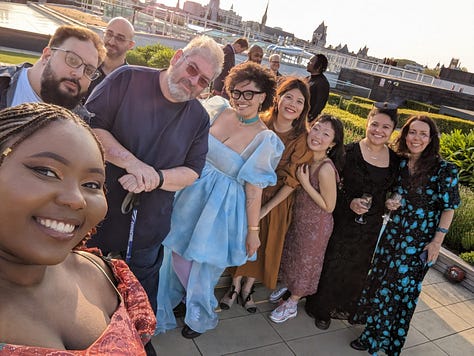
(145, 265)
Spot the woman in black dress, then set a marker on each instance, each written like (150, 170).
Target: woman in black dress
(370, 168)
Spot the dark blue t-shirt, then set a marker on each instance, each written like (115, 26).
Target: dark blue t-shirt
(130, 105)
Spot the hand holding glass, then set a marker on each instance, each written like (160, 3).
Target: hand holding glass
(365, 200)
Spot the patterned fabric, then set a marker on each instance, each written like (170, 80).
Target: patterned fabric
(306, 241)
(131, 326)
(351, 245)
(274, 226)
(389, 298)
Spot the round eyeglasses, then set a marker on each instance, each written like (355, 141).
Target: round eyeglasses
(247, 94)
(73, 60)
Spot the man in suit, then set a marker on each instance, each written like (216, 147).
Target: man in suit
(239, 45)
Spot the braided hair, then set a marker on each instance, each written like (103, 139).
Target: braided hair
(18, 123)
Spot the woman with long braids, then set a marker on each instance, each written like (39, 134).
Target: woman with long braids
(55, 297)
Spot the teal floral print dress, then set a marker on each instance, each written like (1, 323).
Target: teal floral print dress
(393, 284)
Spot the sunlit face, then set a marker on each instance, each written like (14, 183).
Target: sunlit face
(274, 64)
(379, 128)
(418, 137)
(52, 193)
(311, 63)
(256, 55)
(244, 107)
(188, 76)
(321, 137)
(118, 38)
(291, 105)
(62, 84)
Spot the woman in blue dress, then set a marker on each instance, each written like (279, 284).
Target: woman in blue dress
(411, 241)
(214, 223)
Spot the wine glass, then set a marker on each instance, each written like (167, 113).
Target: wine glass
(366, 200)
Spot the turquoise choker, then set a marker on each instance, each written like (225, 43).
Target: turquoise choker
(248, 121)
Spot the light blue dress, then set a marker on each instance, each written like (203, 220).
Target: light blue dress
(209, 227)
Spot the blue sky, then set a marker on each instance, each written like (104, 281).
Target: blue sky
(425, 31)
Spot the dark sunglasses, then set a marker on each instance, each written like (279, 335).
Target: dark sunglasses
(194, 72)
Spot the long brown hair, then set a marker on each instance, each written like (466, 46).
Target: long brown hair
(287, 84)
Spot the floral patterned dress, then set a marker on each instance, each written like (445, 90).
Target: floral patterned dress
(394, 282)
(131, 325)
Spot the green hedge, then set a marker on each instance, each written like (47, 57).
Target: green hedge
(445, 123)
(458, 148)
(460, 237)
(468, 257)
(361, 100)
(157, 56)
(419, 106)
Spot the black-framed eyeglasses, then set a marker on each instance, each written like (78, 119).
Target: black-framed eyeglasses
(73, 60)
(108, 35)
(247, 94)
(192, 70)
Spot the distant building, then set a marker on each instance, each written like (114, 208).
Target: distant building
(319, 36)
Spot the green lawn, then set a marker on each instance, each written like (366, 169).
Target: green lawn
(15, 57)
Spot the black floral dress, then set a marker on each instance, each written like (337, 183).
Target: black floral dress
(393, 285)
(351, 246)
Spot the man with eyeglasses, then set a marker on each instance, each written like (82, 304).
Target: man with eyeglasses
(155, 134)
(118, 40)
(274, 60)
(61, 76)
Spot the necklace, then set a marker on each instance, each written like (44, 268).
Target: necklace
(248, 121)
(370, 151)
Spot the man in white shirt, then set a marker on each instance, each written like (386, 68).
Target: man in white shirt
(61, 76)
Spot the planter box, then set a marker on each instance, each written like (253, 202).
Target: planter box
(447, 259)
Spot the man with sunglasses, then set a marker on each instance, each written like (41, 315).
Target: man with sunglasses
(61, 76)
(118, 40)
(155, 134)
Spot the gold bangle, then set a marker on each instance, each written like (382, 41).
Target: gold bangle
(253, 228)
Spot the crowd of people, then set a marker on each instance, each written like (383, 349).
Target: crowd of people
(255, 180)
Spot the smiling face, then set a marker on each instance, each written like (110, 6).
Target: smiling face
(118, 38)
(291, 105)
(418, 137)
(52, 192)
(321, 137)
(379, 128)
(62, 84)
(247, 108)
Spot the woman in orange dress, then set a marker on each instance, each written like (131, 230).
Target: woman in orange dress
(54, 298)
(287, 118)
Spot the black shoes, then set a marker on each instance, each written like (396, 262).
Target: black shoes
(358, 345)
(322, 324)
(189, 333)
(179, 311)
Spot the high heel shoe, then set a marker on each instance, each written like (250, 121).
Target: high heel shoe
(228, 299)
(247, 301)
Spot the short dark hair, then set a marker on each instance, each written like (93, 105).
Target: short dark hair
(336, 153)
(253, 72)
(322, 62)
(380, 108)
(242, 42)
(64, 32)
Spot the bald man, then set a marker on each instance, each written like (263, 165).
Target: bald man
(118, 40)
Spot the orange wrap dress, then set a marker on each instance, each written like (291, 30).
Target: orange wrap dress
(274, 225)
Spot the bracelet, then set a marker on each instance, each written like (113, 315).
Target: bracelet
(253, 228)
(162, 180)
(442, 229)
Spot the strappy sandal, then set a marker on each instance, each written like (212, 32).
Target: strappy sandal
(228, 299)
(247, 301)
